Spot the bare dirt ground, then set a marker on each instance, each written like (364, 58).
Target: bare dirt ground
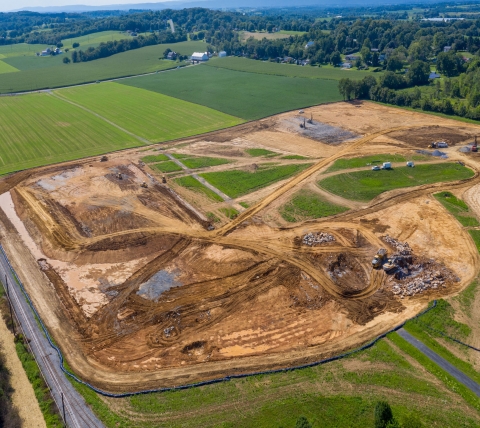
(140, 292)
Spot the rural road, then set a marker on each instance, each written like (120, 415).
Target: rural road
(77, 413)
(444, 364)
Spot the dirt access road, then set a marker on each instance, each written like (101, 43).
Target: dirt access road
(140, 294)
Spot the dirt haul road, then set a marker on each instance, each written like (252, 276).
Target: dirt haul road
(140, 294)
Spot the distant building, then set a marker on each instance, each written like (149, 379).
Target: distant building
(46, 52)
(133, 34)
(346, 65)
(351, 57)
(222, 54)
(200, 56)
(434, 75)
(447, 48)
(309, 44)
(172, 56)
(374, 50)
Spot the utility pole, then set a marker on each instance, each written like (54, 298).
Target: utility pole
(9, 304)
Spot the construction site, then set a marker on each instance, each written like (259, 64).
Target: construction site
(145, 282)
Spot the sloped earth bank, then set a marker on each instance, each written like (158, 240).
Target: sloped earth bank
(140, 292)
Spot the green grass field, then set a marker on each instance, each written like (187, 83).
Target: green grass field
(475, 234)
(37, 75)
(7, 68)
(95, 39)
(308, 205)
(364, 161)
(235, 183)
(286, 70)
(168, 166)
(39, 129)
(458, 208)
(194, 185)
(203, 162)
(229, 212)
(20, 49)
(247, 95)
(150, 115)
(366, 185)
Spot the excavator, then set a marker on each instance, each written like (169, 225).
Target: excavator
(379, 258)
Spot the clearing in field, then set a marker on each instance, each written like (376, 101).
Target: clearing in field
(150, 115)
(39, 128)
(148, 283)
(249, 95)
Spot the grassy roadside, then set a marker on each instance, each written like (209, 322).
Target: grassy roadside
(40, 388)
(457, 208)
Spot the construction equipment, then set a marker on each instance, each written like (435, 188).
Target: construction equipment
(311, 118)
(164, 180)
(144, 185)
(390, 266)
(119, 176)
(432, 146)
(475, 147)
(379, 258)
(103, 159)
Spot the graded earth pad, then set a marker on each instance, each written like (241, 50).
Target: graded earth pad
(142, 287)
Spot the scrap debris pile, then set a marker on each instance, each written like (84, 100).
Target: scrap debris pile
(312, 239)
(411, 277)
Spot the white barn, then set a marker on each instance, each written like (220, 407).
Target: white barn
(222, 54)
(200, 56)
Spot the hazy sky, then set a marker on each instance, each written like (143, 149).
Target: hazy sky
(7, 5)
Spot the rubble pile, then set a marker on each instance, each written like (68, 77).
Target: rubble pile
(312, 239)
(403, 249)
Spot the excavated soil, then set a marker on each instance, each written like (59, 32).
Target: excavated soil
(422, 137)
(140, 292)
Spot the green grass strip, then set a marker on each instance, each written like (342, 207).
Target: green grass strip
(260, 152)
(366, 185)
(467, 297)
(194, 185)
(203, 162)
(448, 380)
(458, 208)
(364, 161)
(475, 234)
(294, 157)
(231, 213)
(46, 403)
(235, 183)
(169, 166)
(155, 158)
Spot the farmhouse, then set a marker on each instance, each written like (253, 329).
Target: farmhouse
(222, 54)
(198, 56)
(309, 44)
(46, 52)
(172, 55)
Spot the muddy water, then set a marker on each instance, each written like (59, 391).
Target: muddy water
(159, 283)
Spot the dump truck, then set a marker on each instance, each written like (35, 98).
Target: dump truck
(390, 266)
(379, 258)
(475, 147)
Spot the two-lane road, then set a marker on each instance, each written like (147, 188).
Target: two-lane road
(77, 413)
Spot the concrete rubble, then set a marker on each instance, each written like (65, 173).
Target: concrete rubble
(415, 276)
(312, 239)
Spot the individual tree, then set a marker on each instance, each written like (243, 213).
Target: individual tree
(449, 63)
(418, 73)
(166, 52)
(66, 60)
(336, 58)
(76, 45)
(383, 414)
(375, 61)
(392, 81)
(302, 422)
(394, 63)
(59, 45)
(366, 54)
(358, 63)
(346, 87)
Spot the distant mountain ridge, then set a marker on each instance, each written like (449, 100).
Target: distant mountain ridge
(218, 4)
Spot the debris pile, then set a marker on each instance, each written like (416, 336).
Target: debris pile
(312, 239)
(412, 275)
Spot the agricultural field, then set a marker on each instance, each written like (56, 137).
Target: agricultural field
(249, 96)
(366, 185)
(308, 205)
(195, 186)
(203, 162)
(95, 39)
(287, 70)
(150, 115)
(50, 72)
(264, 35)
(236, 183)
(37, 129)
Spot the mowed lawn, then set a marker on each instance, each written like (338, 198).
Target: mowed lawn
(247, 95)
(39, 129)
(45, 72)
(366, 185)
(151, 115)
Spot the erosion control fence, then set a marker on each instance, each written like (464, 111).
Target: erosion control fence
(194, 385)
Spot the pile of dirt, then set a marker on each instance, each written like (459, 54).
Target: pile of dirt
(347, 273)
(313, 239)
(422, 137)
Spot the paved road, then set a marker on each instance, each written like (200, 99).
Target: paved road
(77, 413)
(444, 364)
